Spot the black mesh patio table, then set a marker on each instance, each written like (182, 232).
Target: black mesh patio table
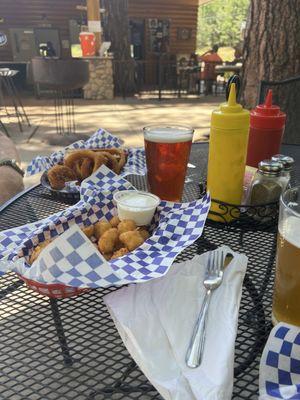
(38, 335)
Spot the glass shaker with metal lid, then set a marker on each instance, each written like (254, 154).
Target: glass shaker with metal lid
(287, 166)
(267, 184)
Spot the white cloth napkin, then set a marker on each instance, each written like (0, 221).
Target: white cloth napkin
(155, 321)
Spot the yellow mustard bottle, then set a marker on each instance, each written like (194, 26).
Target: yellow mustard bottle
(227, 156)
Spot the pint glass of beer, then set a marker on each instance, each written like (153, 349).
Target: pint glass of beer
(167, 151)
(286, 299)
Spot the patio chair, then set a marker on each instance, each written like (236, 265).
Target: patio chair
(286, 94)
(219, 87)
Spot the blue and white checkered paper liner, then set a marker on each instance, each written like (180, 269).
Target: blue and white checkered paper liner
(280, 364)
(101, 139)
(74, 261)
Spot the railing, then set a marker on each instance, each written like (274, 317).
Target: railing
(158, 77)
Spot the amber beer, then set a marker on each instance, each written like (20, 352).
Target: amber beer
(286, 299)
(167, 151)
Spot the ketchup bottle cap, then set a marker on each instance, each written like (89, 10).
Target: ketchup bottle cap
(267, 115)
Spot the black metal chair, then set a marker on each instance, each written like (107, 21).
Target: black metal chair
(286, 94)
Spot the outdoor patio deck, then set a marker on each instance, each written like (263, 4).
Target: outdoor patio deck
(124, 118)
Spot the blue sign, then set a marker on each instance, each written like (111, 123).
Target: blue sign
(3, 39)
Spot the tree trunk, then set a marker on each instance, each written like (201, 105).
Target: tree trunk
(118, 33)
(272, 53)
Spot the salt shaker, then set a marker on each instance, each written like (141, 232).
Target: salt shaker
(287, 164)
(267, 184)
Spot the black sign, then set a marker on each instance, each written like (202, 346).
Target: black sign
(159, 35)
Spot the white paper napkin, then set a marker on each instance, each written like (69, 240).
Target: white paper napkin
(155, 321)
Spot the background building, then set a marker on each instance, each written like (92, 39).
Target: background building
(154, 28)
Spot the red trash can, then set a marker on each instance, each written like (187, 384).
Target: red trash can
(87, 41)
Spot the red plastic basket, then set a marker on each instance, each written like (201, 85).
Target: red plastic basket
(53, 290)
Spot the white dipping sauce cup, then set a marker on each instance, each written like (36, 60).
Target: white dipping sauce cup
(136, 205)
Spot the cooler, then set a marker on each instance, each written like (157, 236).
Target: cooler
(87, 41)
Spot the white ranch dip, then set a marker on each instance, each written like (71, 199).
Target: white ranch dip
(136, 205)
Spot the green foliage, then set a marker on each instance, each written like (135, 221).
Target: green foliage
(220, 21)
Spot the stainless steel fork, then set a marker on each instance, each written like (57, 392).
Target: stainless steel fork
(212, 279)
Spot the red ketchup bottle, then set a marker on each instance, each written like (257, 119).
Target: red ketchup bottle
(267, 123)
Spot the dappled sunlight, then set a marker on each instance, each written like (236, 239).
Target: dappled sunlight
(123, 118)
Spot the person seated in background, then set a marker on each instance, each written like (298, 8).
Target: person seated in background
(193, 61)
(238, 54)
(193, 64)
(210, 58)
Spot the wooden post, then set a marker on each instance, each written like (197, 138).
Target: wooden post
(94, 22)
(118, 33)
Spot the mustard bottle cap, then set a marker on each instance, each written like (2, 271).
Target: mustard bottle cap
(231, 115)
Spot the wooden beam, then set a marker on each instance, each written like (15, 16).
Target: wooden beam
(94, 21)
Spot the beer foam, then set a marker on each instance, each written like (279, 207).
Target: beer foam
(168, 135)
(290, 230)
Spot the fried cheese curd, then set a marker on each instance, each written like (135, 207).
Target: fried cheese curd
(131, 239)
(100, 228)
(112, 238)
(126, 225)
(37, 250)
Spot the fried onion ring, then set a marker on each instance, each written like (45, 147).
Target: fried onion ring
(86, 168)
(99, 160)
(118, 154)
(112, 150)
(84, 162)
(59, 175)
(111, 162)
(122, 159)
(75, 159)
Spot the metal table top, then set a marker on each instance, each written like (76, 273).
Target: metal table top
(32, 366)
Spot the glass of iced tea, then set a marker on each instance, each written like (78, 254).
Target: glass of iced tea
(167, 151)
(286, 299)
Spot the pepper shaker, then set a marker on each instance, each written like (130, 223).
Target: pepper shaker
(267, 184)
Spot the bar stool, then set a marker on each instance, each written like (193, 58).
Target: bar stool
(4, 128)
(2, 107)
(8, 86)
